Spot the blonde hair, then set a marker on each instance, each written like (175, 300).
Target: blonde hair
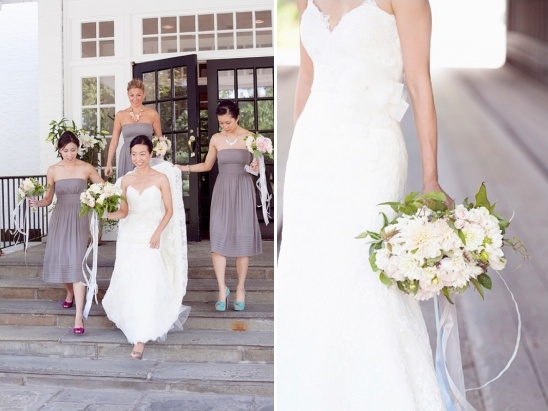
(136, 83)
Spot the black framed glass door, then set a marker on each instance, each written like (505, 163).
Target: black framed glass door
(171, 87)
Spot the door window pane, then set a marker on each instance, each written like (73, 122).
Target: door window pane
(245, 83)
(181, 115)
(107, 118)
(247, 114)
(179, 82)
(266, 114)
(106, 90)
(89, 118)
(225, 80)
(166, 115)
(265, 82)
(149, 79)
(164, 84)
(89, 91)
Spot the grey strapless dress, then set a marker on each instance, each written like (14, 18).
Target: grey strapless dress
(129, 132)
(67, 235)
(234, 227)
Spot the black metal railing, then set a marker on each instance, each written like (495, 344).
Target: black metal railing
(38, 221)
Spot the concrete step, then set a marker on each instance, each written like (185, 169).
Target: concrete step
(22, 270)
(128, 374)
(96, 343)
(255, 317)
(205, 290)
(38, 397)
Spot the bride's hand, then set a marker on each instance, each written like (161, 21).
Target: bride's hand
(155, 241)
(435, 187)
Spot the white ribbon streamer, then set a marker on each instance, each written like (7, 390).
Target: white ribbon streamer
(90, 273)
(263, 190)
(20, 207)
(448, 357)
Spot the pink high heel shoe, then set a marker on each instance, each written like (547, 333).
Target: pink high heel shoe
(67, 304)
(79, 330)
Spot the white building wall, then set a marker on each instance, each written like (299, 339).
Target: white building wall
(19, 88)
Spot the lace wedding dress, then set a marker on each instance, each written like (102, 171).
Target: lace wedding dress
(344, 341)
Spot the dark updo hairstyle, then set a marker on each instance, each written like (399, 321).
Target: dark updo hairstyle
(228, 107)
(141, 140)
(66, 138)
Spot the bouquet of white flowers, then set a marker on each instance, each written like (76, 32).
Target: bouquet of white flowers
(428, 248)
(29, 188)
(161, 146)
(90, 142)
(260, 146)
(97, 199)
(100, 197)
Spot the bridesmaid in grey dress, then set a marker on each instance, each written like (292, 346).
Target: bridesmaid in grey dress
(234, 227)
(68, 232)
(131, 122)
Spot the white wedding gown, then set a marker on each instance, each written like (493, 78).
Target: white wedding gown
(344, 341)
(144, 298)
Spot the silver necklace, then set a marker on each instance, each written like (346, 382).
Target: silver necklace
(136, 116)
(231, 143)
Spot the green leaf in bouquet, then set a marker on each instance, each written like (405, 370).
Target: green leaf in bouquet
(384, 219)
(447, 294)
(478, 286)
(365, 234)
(462, 236)
(408, 209)
(481, 197)
(485, 281)
(385, 279)
(373, 262)
(411, 197)
(393, 204)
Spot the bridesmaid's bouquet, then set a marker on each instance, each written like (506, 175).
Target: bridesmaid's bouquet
(29, 188)
(260, 146)
(100, 197)
(161, 146)
(428, 248)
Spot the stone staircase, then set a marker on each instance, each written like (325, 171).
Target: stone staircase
(228, 353)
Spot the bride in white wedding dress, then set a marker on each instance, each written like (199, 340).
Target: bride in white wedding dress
(144, 298)
(344, 341)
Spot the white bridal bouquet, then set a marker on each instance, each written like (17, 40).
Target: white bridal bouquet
(100, 197)
(161, 146)
(428, 248)
(97, 199)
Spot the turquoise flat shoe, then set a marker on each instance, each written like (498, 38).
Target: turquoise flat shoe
(221, 305)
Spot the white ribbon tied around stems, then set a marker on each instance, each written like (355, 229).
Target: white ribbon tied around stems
(26, 216)
(90, 273)
(448, 357)
(263, 190)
